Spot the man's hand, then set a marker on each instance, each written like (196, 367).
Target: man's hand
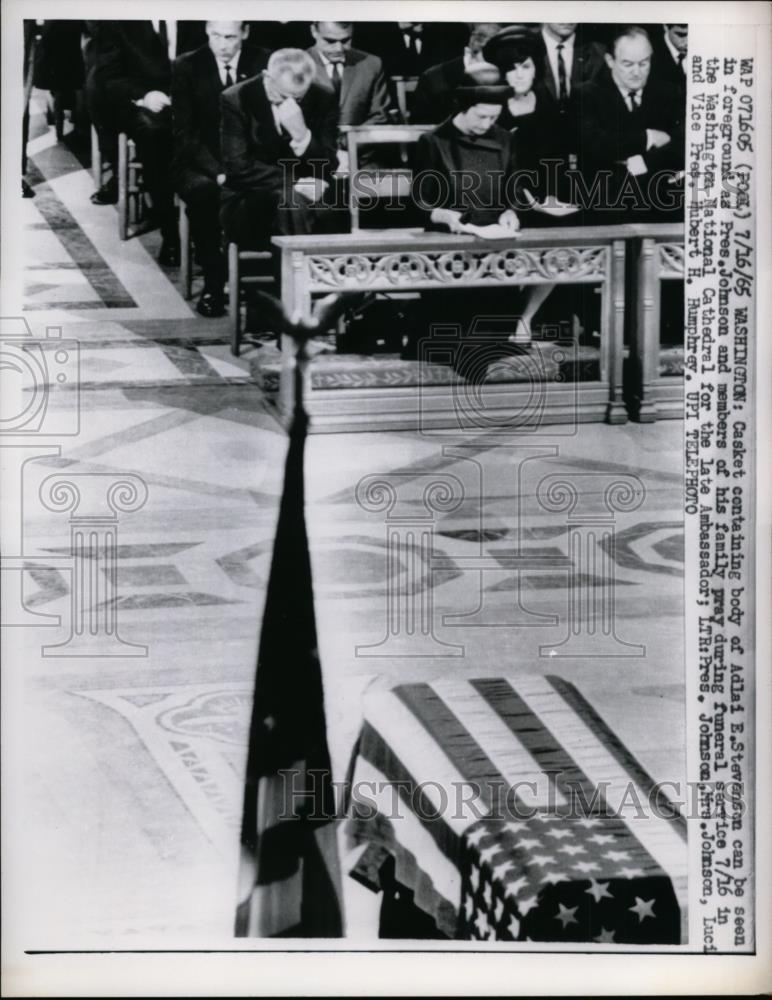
(509, 220)
(311, 188)
(655, 138)
(155, 101)
(343, 167)
(636, 165)
(447, 217)
(291, 117)
(221, 179)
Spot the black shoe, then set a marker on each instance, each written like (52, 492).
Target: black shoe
(211, 304)
(169, 255)
(106, 195)
(26, 190)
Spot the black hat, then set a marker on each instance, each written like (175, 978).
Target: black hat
(470, 93)
(509, 47)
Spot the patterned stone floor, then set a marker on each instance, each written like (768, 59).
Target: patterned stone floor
(131, 793)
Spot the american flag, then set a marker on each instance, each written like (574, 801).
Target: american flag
(484, 794)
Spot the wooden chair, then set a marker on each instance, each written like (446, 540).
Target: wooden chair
(131, 192)
(404, 85)
(386, 182)
(186, 249)
(238, 283)
(96, 159)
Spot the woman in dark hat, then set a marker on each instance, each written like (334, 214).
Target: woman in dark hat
(541, 135)
(466, 171)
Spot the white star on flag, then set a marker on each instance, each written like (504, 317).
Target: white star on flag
(587, 821)
(643, 908)
(514, 927)
(554, 877)
(498, 913)
(605, 937)
(475, 838)
(617, 855)
(586, 866)
(488, 894)
(528, 843)
(526, 904)
(516, 827)
(566, 915)
(559, 834)
(501, 870)
(631, 872)
(512, 888)
(602, 838)
(598, 891)
(543, 859)
(474, 877)
(572, 849)
(469, 907)
(481, 923)
(489, 852)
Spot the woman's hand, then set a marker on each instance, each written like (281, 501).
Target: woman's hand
(447, 217)
(509, 220)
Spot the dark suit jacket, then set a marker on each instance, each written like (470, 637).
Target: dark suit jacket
(364, 96)
(252, 148)
(196, 90)
(433, 97)
(589, 62)
(439, 41)
(610, 133)
(665, 71)
(130, 59)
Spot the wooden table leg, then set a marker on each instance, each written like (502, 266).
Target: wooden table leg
(646, 328)
(613, 333)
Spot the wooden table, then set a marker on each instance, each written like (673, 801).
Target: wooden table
(413, 261)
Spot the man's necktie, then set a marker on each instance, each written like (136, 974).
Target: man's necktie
(562, 78)
(337, 70)
(681, 57)
(634, 97)
(163, 34)
(228, 77)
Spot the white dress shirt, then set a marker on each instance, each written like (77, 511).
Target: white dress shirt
(552, 55)
(171, 35)
(233, 63)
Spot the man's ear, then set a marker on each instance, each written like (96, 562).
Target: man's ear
(609, 60)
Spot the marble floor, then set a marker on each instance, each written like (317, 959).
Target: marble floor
(134, 754)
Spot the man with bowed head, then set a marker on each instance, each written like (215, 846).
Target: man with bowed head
(279, 140)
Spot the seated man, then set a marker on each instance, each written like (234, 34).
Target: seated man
(433, 97)
(632, 137)
(132, 74)
(567, 61)
(465, 172)
(279, 136)
(669, 57)
(198, 80)
(354, 77)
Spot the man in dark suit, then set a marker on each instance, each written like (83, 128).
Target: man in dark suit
(132, 72)
(433, 97)
(407, 48)
(279, 136)
(567, 61)
(198, 80)
(354, 77)
(668, 57)
(632, 136)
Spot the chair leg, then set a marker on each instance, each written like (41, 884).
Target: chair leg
(234, 306)
(96, 159)
(123, 185)
(186, 275)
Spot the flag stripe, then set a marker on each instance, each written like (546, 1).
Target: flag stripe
(412, 835)
(658, 836)
(422, 754)
(585, 711)
(505, 745)
(442, 726)
(380, 757)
